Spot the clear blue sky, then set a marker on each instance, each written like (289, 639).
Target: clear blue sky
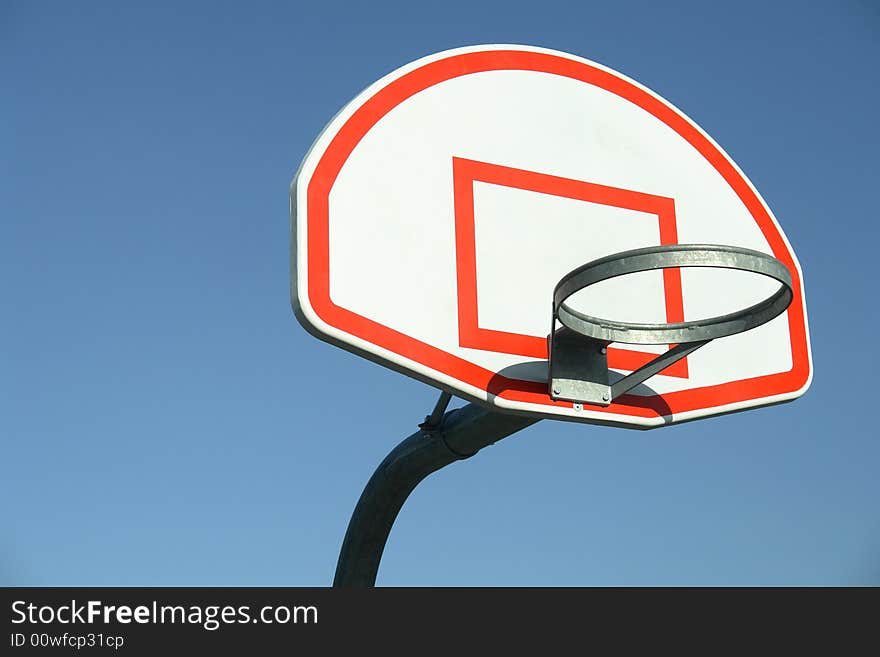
(165, 420)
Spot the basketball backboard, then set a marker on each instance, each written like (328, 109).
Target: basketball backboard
(434, 215)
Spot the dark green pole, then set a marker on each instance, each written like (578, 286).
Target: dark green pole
(442, 439)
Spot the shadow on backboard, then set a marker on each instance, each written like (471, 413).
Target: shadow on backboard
(530, 378)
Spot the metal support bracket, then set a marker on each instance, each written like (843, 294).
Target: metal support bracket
(579, 368)
(433, 420)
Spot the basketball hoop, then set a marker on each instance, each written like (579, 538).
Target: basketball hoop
(578, 361)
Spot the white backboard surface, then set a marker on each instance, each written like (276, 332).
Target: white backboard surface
(435, 213)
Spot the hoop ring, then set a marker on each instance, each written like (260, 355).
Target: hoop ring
(665, 257)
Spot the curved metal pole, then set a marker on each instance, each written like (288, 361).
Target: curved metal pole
(459, 435)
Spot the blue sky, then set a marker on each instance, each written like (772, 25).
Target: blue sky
(165, 421)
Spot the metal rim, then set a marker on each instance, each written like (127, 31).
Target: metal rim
(665, 257)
